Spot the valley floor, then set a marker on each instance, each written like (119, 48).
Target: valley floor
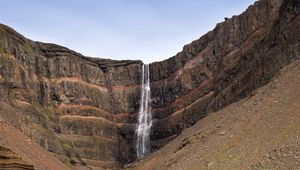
(261, 131)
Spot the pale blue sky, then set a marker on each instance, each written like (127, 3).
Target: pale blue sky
(150, 30)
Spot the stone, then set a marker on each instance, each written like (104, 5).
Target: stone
(85, 109)
(222, 133)
(10, 160)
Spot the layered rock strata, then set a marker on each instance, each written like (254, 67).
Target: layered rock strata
(10, 160)
(73, 106)
(226, 64)
(85, 109)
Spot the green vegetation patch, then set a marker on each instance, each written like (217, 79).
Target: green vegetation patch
(13, 94)
(2, 30)
(1, 50)
(28, 47)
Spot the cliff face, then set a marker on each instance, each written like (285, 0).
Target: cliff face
(238, 56)
(85, 109)
(71, 105)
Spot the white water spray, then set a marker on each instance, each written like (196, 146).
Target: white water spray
(145, 117)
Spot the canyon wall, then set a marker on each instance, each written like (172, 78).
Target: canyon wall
(223, 66)
(84, 110)
(73, 106)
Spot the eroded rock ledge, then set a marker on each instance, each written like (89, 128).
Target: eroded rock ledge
(85, 109)
(10, 160)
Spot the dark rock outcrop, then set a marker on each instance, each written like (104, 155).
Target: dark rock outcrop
(9, 160)
(85, 109)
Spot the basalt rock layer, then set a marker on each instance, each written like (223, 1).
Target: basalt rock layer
(225, 65)
(72, 105)
(10, 160)
(84, 110)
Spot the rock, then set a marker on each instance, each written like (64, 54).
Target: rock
(222, 133)
(10, 160)
(86, 108)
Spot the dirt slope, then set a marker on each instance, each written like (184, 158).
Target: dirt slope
(261, 131)
(30, 152)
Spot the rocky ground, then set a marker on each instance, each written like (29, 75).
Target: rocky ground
(10, 160)
(21, 148)
(261, 131)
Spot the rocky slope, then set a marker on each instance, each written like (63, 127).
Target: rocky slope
(20, 149)
(9, 160)
(261, 131)
(84, 110)
(225, 65)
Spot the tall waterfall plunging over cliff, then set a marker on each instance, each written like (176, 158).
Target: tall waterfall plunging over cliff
(145, 117)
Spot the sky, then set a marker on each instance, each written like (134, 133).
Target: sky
(147, 30)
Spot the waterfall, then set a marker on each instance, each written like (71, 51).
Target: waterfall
(145, 117)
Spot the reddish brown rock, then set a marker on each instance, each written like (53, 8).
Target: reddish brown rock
(10, 160)
(85, 109)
